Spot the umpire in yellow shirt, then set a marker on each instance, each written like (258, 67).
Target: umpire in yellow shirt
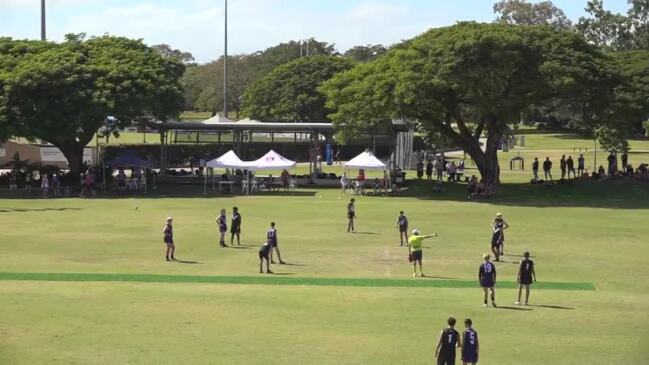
(415, 243)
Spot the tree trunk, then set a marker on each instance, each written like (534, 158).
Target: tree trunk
(487, 160)
(73, 152)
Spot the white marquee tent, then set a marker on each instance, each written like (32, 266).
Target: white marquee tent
(229, 160)
(217, 119)
(365, 160)
(271, 161)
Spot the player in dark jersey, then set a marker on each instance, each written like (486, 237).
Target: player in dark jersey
(235, 226)
(222, 221)
(271, 236)
(168, 239)
(487, 279)
(449, 341)
(498, 236)
(402, 224)
(351, 215)
(470, 344)
(264, 253)
(526, 276)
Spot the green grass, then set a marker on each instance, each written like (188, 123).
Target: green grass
(85, 281)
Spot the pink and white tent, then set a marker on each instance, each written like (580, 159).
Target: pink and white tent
(270, 161)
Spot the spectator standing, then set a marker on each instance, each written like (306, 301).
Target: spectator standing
(420, 169)
(563, 166)
(581, 165)
(343, 183)
(625, 161)
(535, 169)
(611, 163)
(45, 185)
(547, 169)
(429, 170)
(571, 167)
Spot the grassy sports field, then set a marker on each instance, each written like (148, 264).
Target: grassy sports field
(85, 281)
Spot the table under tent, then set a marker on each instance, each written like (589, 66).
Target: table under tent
(269, 162)
(129, 160)
(362, 162)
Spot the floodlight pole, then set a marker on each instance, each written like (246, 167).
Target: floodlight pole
(225, 65)
(43, 34)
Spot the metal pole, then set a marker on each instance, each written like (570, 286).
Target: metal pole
(225, 65)
(43, 33)
(595, 163)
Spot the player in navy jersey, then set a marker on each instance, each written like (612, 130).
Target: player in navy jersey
(271, 237)
(222, 221)
(264, 254)
(470, 344)
(402, 224)
(168, 239)
(526, 276)
(498, 237)
(235, 226)
(351, 215)
(449, 341)
(487, 278)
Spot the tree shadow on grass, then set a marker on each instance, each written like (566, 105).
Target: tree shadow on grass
(622, 193)
(26, 210)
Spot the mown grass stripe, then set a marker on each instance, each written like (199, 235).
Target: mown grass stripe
(277, 280)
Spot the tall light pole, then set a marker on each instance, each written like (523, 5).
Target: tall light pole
(225, 65)
(43, 36)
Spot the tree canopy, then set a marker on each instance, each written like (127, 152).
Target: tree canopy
(616, 32)
(62, 93)
(521, 12)
(290, 92)
(473, 79)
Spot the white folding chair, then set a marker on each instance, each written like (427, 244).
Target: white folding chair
(292, 185)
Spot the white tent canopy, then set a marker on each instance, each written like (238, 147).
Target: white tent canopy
(271, 161)
(229, 160)
(217, 119)
(365, 160)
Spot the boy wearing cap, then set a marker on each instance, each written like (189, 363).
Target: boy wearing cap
(487, 279)
(415, 250)
(498, 237)
(402, 224)
(168, 233)
(526, 276)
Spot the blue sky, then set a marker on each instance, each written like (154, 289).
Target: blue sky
(197, 25)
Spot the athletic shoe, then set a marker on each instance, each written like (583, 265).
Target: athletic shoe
(166, 258)
(526, 303)
(414, 275)
(517, 303)
(268, 272)
(173, 258)
(282, 263)
(494, 304)
(272, 262)
(422, 275)
(484, 305)
(261, 271)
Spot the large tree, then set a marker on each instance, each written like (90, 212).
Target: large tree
(204, 83)
(473, 80)
(522, 12)
(290, 92)
(614, 31)
(63, 93)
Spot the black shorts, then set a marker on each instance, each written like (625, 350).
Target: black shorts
(351, 215)
(235, 229)
(403, 228)
(487, 283)
(273, 244)
(526, 280)
(417, 255)
(446, 359)
(263, 255)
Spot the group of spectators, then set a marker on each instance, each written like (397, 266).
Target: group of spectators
(49, 182)
(568, 170)
(440, 166)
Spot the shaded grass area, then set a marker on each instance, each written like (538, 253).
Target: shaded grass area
(275, 280)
